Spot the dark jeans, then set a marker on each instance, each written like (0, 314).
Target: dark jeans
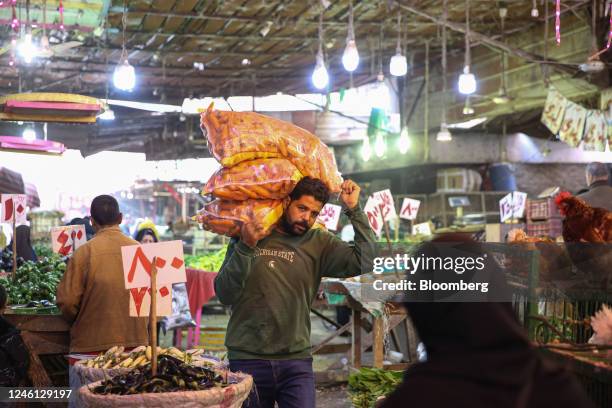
(288, 382)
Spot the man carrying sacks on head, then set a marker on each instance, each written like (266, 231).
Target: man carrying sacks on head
(270, 280)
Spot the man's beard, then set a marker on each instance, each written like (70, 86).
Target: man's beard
(290, 227)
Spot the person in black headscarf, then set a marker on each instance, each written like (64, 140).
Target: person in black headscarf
(14, 357)
(478, 356)
(24, 246)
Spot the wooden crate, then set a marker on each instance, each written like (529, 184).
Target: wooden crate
(549, 228)
(542, 209)
(213, 338)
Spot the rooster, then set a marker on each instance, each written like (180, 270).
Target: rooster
(602, 328)
(583, 223)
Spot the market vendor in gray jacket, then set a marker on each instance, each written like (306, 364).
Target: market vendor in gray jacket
(271, 280)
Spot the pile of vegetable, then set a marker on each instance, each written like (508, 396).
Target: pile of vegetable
(35, 280)
(6, 260)
(172, 375)
(115, 357)
(210, 262)
(368, 384)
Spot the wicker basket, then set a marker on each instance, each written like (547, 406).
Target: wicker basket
(229, 397)
(88, 375)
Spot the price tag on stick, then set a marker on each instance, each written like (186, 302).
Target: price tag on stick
(67, 239)
(14, 205)
(410, 209)
(330, 215)
(138, 261)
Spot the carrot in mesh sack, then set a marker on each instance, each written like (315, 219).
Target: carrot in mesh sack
(234, 137)
(226, 217)
(258, 179)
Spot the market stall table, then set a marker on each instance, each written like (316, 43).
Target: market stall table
(200, 289)
(359, 344)
(43, 335)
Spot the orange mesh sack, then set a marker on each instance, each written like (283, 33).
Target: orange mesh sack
(257, 179)
(234, 137)
(226, 217)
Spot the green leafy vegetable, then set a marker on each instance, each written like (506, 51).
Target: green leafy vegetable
(368, 384)
(210, 262)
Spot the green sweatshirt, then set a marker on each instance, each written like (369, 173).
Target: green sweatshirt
(272, 286)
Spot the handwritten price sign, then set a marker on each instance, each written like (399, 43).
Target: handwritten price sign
(386, 204)
(374, 214)
(13, 204)
(330, 215)
(410, 209)
(137, 263)
(140, 301)
(65, 240)
(421, 229)
(512, 205)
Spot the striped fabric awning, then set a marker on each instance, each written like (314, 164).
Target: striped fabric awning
(11, 182)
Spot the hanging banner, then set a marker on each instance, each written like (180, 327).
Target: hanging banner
(596, 131)
(329, 216)
(410, 209)
(606, 107)
(554, 109)
(13, 203)
(67, 239)
(572, 127)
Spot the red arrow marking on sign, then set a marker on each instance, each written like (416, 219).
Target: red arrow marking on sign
(146, 264)
(164, 291)
(20, 209)
(79, 234)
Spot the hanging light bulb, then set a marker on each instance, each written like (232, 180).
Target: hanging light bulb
(350, 58)
(366, 150)
(29, 134)
(534, 10)
(444, 134)
(467, 80)
(403, 142)
(399, 64)
(380, 147)
(27, 50)
(320, 77)
(124, 77)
